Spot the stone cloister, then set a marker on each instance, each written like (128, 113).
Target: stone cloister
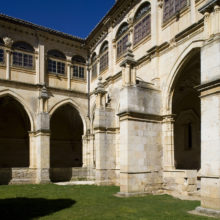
(136, 104)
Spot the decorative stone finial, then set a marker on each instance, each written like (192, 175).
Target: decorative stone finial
(44, 93)
(8, 41)
(129, 56)
(100, 86)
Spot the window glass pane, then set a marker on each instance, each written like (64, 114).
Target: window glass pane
(121, 46)
(171, 7)
(75, 71)
(94, 71)
(81, 72)
(17, 59)
(1, 55)
(28, 60)
(60, 67)
(104, 62)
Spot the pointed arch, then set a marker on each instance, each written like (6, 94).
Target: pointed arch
(75, 105)
(180, 61)
(19, 99)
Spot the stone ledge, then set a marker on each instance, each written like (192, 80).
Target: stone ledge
(205, 212)
(136, 194)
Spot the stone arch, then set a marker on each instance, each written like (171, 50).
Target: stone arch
(145, 5)
(22, 102)
(66, 144)
(168, 91)
(14, 137)
(76, 106)
(181, 96)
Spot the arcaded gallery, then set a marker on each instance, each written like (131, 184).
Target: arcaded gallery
(136, 104)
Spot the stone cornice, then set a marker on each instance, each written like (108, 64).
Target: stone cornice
(136, 116)
(38, 86)
(209, 6)
(208, 85)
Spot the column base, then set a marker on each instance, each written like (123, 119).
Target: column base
(206, 212)
(43, 176)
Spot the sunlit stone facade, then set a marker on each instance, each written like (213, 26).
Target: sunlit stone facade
(135, 104)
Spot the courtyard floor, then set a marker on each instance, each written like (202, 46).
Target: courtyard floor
(23, 202)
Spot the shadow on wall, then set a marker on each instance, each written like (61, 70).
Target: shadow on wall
(5, 176)
(29, 208)
(60, 174)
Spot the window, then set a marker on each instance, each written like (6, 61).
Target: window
(122, 39)
(22, 60)
(94, 66)
(1, 56)
(78, 67)
(56, 67)
(172, 7)
(78, 72)
(56, 62)
(142, 19)
(104, 57)
(22, 55)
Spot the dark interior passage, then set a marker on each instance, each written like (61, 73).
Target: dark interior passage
(66, 138)
(186, 107)
(14, 137)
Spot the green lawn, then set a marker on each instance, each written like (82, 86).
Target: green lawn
(22, 202)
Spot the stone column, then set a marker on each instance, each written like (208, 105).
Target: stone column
(8, 43)
(210, 112)
(168, 142)
(40, 147)
(69, 76)
(8, 64)
(40, 63)
(100, 134)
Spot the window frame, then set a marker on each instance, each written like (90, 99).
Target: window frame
(79, 64)
(176, 11)
(3, 57)
(57, 61)
(23, 53)
(120, 38)
(94, 66)
(104, 57)
(140, 21)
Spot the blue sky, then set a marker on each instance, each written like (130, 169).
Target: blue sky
(76, 17)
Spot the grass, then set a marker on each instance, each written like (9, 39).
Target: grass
(87, 202)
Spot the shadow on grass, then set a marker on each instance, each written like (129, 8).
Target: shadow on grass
(28, 208)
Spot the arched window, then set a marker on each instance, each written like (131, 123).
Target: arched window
(78, 67)
(1, 51)
(172, 7)
(56, 62)
(122, 39)
(104, 57)
(94, 66)
(22, 55)
(142, 21)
